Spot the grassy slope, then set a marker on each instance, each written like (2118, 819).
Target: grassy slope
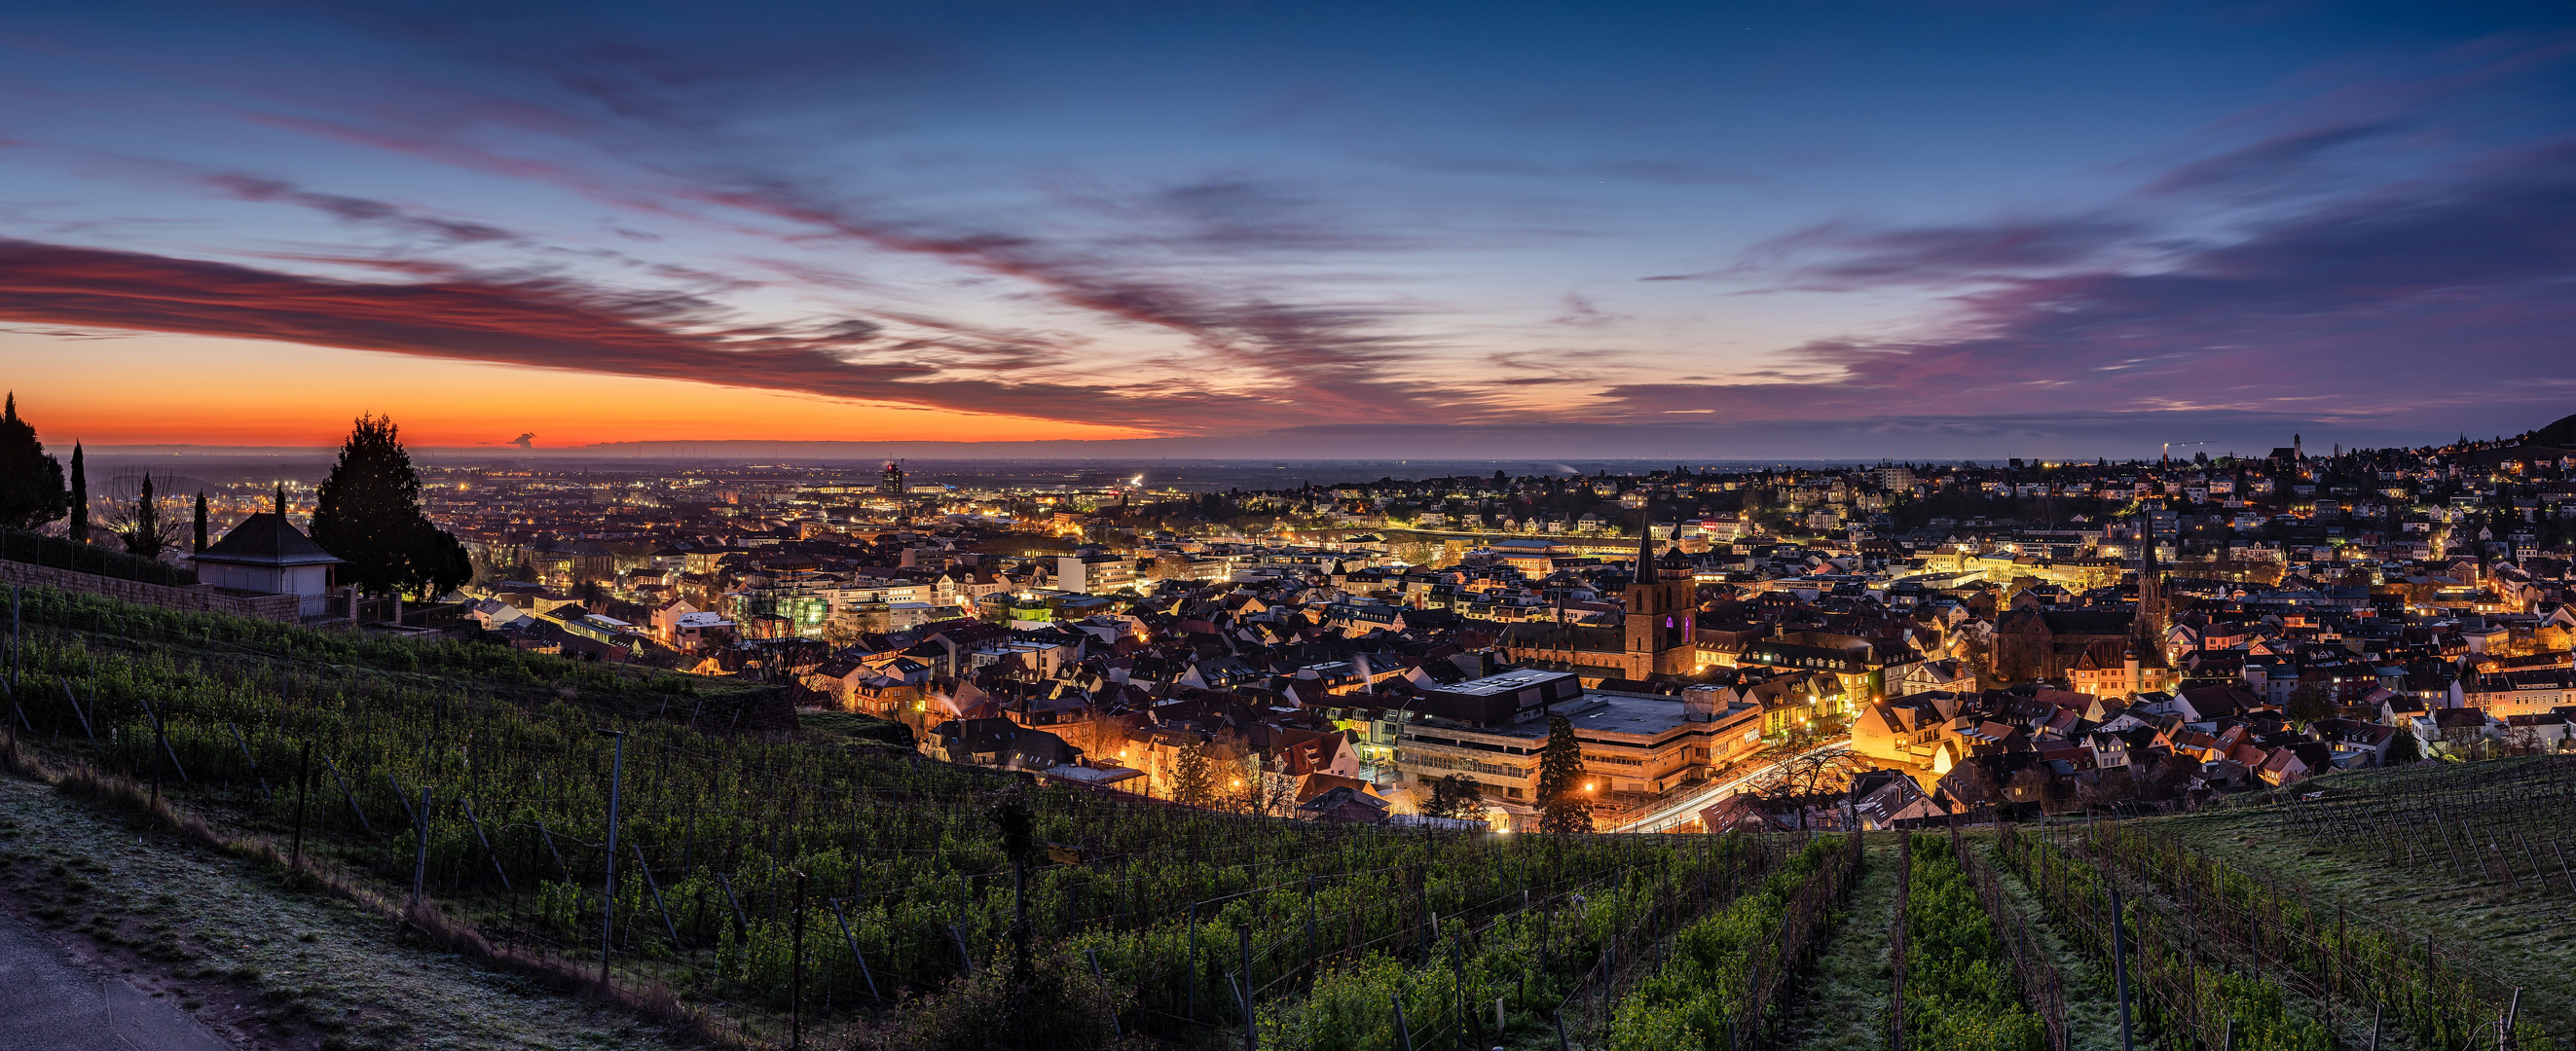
(2092, 1016)
(1843, 1007)
(2520, 932)
(264, 965)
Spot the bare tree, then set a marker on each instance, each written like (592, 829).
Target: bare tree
(1277, 794)
(145, 527)
(2463, 738)
(1803, 775)
(1455, 796)
(2110, 789)
(2523, 740)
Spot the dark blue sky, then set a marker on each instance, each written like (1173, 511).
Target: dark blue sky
(1843, 230)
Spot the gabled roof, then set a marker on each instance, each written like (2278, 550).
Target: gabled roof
(267, 539)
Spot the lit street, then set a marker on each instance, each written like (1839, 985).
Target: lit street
(1687, 808)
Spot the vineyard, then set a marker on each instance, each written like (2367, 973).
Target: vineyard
(2464, 858)
(772, 887)
(773, 883)
(1957, 985)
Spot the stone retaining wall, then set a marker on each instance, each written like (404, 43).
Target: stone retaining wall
(201, 598)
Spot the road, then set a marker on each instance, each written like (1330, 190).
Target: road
(50, 1002)
(1687, 808)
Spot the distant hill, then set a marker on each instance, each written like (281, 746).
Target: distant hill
(2561, 434)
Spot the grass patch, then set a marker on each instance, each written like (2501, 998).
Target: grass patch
(855, 728)
(2519, 931)
(2092, 1014)
(1844, 1006)
(343, 973)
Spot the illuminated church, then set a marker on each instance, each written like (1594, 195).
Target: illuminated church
(1655, 637)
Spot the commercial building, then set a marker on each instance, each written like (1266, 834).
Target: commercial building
(1635, 746)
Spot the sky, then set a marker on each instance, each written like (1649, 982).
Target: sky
(1974, 228)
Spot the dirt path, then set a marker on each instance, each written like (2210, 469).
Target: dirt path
(261, 966)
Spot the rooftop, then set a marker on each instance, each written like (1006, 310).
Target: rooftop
(1506, 682)
(1610, 713)
(267, 539)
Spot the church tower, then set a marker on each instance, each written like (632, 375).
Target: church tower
(2149, 627)
(1661, 609)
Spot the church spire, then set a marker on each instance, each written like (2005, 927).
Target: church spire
(2150, 623)
(1646, 545)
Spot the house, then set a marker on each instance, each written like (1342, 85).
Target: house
(2284, 765)
(666, 619)
(1882, 798)
(268, 555)
(998, 742)
(2544, 730)
(839, 676)
(2456, 729)
(693, 630)
(495, 614)
(1351, 802)
(1904, 729)
(1923, 676)
(2369, 741)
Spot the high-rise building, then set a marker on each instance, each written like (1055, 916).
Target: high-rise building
(892, 484)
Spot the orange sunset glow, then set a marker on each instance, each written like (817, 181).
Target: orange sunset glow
(184, 390)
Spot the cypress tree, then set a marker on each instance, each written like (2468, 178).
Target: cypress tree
(142, 530)
(1563, 806)
(201, 521)
(31, 483)
(78, 529)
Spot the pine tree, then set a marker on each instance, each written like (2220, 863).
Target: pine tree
(1192, 782)
(31, 483)
(1564, 806)
(78, 528)
(368, 513)
(2403, 748)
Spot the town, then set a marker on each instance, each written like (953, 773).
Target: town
(1793, 647)
(1023, 526)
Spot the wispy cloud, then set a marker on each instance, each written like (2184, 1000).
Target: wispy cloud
(682, 197)
(535, 325)
(358, 209)
(2347, 309)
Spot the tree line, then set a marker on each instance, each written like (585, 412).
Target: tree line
(368, 512)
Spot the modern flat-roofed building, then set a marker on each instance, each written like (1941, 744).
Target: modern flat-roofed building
(1094, 574)
(1635, 746)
